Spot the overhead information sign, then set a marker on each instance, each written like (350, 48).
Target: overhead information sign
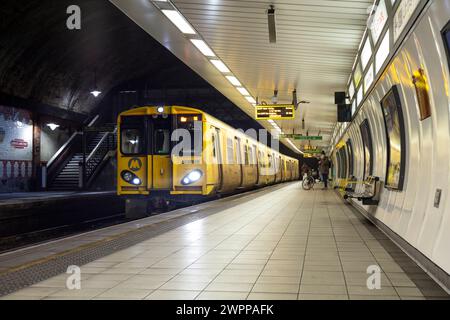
(275, 112)
(300, 137)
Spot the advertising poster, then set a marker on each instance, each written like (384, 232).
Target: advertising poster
(16, 145)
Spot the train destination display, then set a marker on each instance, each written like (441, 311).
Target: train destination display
(275, 112)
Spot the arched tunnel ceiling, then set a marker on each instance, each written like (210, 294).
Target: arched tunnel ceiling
(42, 60)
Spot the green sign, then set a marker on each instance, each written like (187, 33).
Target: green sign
(300, 137)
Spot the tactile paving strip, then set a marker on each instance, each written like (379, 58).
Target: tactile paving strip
(31, 274)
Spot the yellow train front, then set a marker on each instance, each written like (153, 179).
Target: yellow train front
(180, 154)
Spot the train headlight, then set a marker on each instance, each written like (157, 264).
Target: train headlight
(130, 177)
(160, 109)
(192, 177)
(127, 176)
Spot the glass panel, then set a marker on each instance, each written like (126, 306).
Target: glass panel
(351, 90)
(366, 53)
(360, 95)
(368, 79)
(162, 141)
(379, 21)
(230, 151)
(132, 141)
(358, 74)
(382, 53)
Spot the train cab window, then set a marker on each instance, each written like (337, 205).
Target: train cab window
(132, 141)
(193, 124)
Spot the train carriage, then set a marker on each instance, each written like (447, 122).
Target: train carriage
(178, 154)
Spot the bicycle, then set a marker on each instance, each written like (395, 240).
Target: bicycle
(308, 182)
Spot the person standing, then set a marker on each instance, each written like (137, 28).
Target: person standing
(324, 168)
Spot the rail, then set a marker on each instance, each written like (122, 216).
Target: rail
(62, 156)
(90, 163)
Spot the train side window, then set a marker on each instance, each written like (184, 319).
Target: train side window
(238, 150)
(213, 141)
(230, 151)
(446, 38)
(254, 155)
(246, 155)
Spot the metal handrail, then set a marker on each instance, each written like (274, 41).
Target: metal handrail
(88, 165)
(62, 149)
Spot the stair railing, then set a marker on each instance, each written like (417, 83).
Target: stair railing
(62, 156)
(90, 163)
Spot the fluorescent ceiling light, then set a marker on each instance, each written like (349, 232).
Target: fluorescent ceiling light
(220, 66)
(179, 21)
(250, 99)
(243, 91)
(234, 81)
(203, 47)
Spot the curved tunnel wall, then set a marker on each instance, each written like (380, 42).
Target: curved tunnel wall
(43, 61)
(411, 213)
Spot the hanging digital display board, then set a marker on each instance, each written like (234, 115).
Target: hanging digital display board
(275, 112)
(395, 134)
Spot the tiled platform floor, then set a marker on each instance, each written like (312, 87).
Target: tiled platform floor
(290, 244)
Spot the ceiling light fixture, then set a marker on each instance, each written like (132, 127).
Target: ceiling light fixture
(243, 91)
(179, 21)
(220, 66)
(234, 81)
(53, 126)
(250, 99)
(203, 47)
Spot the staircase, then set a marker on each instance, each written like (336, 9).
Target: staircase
(68, 178)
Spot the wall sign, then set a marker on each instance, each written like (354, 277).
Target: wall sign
(401, 18)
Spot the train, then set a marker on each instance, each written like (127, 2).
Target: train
(170, 154)
(400, 134)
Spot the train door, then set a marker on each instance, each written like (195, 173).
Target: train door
(217, 157)
(255, 162)
(159, 159)
(239, 161)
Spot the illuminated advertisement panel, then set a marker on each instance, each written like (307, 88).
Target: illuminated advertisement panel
(395, 136)
(367, 148)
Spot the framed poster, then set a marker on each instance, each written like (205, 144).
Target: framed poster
(367, 148)
(395, 137)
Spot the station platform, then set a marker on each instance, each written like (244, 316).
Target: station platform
(280, 242)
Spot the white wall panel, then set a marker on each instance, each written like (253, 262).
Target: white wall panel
(411, 213)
